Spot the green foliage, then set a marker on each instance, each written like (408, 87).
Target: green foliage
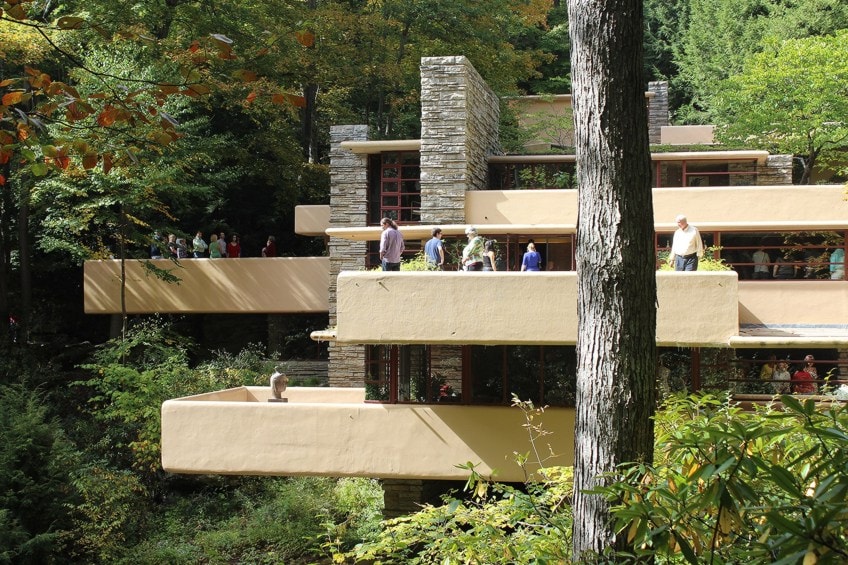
(110, 515)
(708, 262)
(130, 380)
(261, 520)
(493, 523)
(250, 366)
(511, 525)
(791, 98)
(733, 486)
(711, 40)
(35, 462)
(417, 263)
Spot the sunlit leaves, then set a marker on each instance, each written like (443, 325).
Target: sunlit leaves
(17, 12)
(732, 486)
(70, 22)
(305, 38)
(244, 75)
(107, 117)
(791, 98)
(15, 97)
(89, 160)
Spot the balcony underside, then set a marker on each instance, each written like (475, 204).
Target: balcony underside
(219, 286)
(334, 432)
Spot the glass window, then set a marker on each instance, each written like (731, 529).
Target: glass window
(399, 373)
(395, 187)
(544, 374)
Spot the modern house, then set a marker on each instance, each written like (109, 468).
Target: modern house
(423, 364)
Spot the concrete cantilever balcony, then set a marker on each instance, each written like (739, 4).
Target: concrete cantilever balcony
(695, 309)
(334, 432)
(275, 285)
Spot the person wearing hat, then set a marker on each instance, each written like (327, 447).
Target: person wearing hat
(472, 254)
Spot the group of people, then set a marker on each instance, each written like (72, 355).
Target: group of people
(177, 248)
(802, 381)
(478, 255)
(787, 267)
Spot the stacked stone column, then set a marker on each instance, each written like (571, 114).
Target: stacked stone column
(348, 208)
(657, 110)
(459, 131)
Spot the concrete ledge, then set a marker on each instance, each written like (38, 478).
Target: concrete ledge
(254, 285)
(311, 220)
(517, 308)
(231, 433)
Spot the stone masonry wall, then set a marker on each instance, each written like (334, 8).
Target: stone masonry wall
(842, 362)
(459, 130)
(657, 110)
(348, 207)
(446, 364)
(777, 170)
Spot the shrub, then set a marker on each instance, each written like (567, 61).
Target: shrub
(706, 263)
(731, 486)
(262, 520)
(509, 526)
(36, 460)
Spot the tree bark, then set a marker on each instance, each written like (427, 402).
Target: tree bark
(6, 206)
(25, 265)
(616, 347)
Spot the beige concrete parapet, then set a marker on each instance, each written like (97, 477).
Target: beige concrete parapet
(333, 432)
(751, 208)
(791, 207)
(252, 285)
(794, 304)
(687, 135)
(311, 220)
(517, 308)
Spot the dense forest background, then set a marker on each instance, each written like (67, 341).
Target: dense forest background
(119, 119)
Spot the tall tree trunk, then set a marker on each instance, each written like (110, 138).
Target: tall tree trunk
(616, 347)
(310, 109)
(6, 206)
(308, 130)
(122, 250)
(25, 315)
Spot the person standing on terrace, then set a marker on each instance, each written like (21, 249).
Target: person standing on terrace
(686, 246)
(489, 257)
(434, 251)
(222, 244)
(472, 254)
(198, 246)
(270, 249)
(391, 245)
(761, 264)
(780, 378)
(214, 248)
(532, 260)
(837, 264)
(234, 247)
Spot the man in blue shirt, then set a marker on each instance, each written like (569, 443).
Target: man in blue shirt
(434, 251)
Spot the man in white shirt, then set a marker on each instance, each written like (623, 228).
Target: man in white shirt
(686, 246)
